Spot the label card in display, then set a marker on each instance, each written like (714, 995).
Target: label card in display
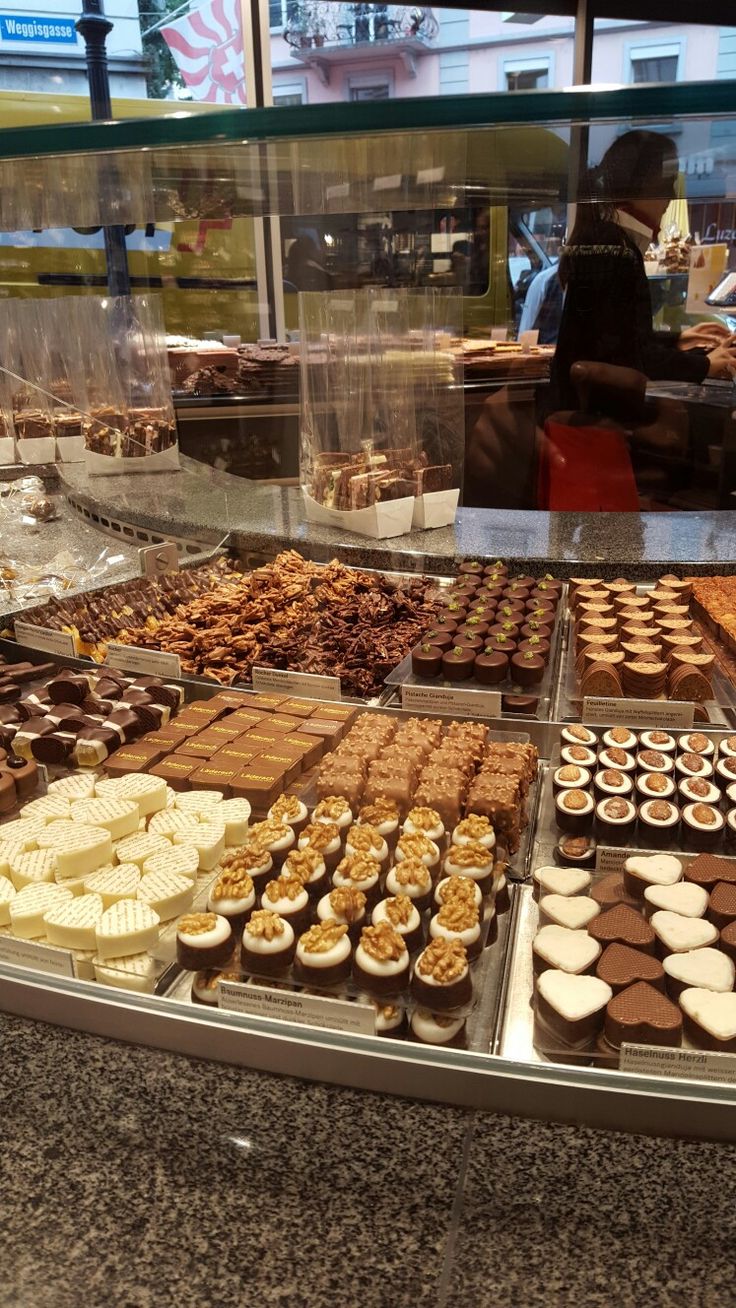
(385, 306)
(499, 333)
(157, 559)
(45, 638)
(445, 699)
(527, 340)
(637, 712)
(296, 683)
(306, 1010)
(690, 1064)
(610, 859)
(146, 662)
(390, 183)
(41, 958)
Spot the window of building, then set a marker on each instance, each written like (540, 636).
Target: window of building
(654, 63)
(289, 93)
(281, 12)
(370, 86)
(531, 74)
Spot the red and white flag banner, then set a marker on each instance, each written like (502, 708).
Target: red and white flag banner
(207, 46)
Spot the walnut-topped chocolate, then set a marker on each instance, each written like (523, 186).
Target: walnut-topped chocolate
(470, 855)
(456, 887)
(332, 807)
(318, 835)
(233, 883)
(425, 819)
(443, 960)
(364, 838)
(266, 924)
(197, 924)
(474, 827)
(412, 872)
(323, 936)
(458, 915)
(381, 810)
(267, 833)
(286, 806)
(399, 910)
(357, 868)
(284, 887)
(382, 942)
(348, 902)
(416, 845)
(245, 859)
(303, 864)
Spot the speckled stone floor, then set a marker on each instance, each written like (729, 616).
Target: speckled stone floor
(133, 1178)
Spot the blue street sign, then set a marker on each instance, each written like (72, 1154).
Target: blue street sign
(39, 30)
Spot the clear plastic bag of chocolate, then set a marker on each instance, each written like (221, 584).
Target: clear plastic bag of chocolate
(24, 324)
(129, 423)
(7, 429)
(381, 432)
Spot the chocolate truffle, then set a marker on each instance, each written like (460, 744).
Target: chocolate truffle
(441, 978)
(268, 944)
(203, 940)
(381, 960)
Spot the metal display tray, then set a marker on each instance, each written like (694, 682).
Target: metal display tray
(402, 675)
(721, 709)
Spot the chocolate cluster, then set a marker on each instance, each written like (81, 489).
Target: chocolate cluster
(293, 614)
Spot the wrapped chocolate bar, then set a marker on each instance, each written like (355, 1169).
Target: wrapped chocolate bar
(382, 423)
(26, 358)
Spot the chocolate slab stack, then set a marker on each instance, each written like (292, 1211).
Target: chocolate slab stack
(639, 646)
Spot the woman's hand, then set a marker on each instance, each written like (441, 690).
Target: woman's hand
(704, 335)
(722, 361)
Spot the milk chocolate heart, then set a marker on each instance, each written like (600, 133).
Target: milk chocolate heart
(708, 869)
(620, 966)
(611, 890)
(623, 925)
(722, 907)
(641, 1015)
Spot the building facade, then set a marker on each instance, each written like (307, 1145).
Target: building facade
(40, 49)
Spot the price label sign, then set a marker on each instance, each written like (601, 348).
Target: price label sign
(443, 699)
(637, 712)
(306, 1010)
(60, 643)
(157, 559)
(296, 683)
(688, 1064)
(40, 958)
(145, 662)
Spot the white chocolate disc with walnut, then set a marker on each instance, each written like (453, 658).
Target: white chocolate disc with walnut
(324, 945)
(400, 913)
(475, 829)
(203, 930)
(435, 1028)
(233, 892)
(442, 963)
(418, 846)
(381, 951)
(286, 894)
(267, 933)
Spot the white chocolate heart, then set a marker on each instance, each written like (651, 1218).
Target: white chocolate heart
(655, 869)
(683, 898)
(679, 934)
(573, 997)
(574, 911)
(570, 951)
(562, 880)
(716, 1013)
(708, 969)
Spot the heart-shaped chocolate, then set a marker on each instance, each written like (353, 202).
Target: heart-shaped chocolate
(651, 870)
(683, 898)
(642, 1015)
(722, 907)
(708, 869)
(566, 950)
(728, 940)
(625, 926)
(710, 1019)
(620, 966)
(574, 911)
(677, 934)
(611, 890)
(708, 969)
(561, 880)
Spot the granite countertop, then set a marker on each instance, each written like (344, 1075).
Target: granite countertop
(137, 1178)
(205, 505)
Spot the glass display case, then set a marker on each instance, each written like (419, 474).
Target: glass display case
(526, 670)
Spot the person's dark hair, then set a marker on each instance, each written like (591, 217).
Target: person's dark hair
(638, 165)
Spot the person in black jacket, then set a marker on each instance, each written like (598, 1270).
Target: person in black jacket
(607, 313)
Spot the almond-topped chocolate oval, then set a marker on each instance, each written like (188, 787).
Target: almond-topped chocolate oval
(615, 809)
(693, 762)
(659, 737)
(570, 772)
(660, 810)
(618, 756)
(705, 815)
(620, 735)
(624, 926)
(575, 800)
(655, 782)
(613, 778)
(579, 752)
(642, 1015)
(699, 787)
(652, 758)
(621, 966)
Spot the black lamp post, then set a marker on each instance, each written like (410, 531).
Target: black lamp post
(94, 28)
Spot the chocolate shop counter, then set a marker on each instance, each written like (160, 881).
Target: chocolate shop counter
(607, 869)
